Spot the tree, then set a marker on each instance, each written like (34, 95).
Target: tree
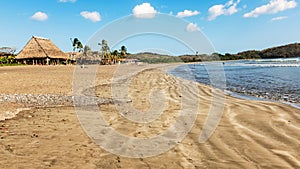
(8, 55)
(105, 52)
(86, 50)
(104, 46)
(3, 60)
(123, 51)
(116, 55)
(77, 45)
(10, 59)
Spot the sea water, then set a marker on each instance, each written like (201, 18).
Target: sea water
(270, 79)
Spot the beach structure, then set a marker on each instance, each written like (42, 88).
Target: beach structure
(7, 55)
(91, 57)
(6, 51)
(129, 61)
(41, 51)
(73, 56)
(4, 55)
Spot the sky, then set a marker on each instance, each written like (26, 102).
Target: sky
(230, 26)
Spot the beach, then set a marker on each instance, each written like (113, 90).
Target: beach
(250, 134)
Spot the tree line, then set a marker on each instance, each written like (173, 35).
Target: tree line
(7, 55)
(105, 55)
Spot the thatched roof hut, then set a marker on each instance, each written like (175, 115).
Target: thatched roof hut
(38, 48)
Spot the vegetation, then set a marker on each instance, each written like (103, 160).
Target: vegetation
(103, 56)
(77, 45)
(13, 64)
(8, 60)
(108, 57)
(148, 57)
(199, 58)
(286, 51)
(112, 57)
(158, 58)
(7, 55)
(123, 51)
(86, 50)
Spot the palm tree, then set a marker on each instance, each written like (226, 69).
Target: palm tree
(80, 46)
(105, 50)
(86, 50)
(76, 45)
(123, 51)
(115, 55)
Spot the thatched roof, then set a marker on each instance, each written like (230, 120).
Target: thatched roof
(4, 54)
(92, 55)
(38, 47)
(74, 55)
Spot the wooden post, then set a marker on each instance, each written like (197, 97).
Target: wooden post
(47, 60)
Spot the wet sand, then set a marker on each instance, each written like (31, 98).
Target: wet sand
(251, 134)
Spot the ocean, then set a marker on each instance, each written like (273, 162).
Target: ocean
(263, 79)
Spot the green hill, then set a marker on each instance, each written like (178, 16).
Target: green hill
(285, 51)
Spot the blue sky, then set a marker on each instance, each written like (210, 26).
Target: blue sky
(230, 25)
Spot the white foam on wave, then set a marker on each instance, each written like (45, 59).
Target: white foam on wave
(279, 60)
(265, 64)
(276, 65)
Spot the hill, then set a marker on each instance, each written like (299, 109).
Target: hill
(285, 51)
(148, 57)
(159, 58)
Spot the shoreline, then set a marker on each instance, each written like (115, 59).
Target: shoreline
(248, 95)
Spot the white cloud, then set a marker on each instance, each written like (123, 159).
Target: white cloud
(279, 18)
(274, 6)
(192, 27)
(64, 1)
(39, 16)
(145, 10)
(187, 13)
(215, 11)
(229, 8)
(92, 16)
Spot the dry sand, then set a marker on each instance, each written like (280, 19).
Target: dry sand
(251, 134)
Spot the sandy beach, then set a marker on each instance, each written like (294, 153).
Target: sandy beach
(251, 134)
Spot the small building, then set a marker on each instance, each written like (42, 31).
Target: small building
(90, 57)
(41, 51)
(4, 54)
(73, 56)
(129, 61)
